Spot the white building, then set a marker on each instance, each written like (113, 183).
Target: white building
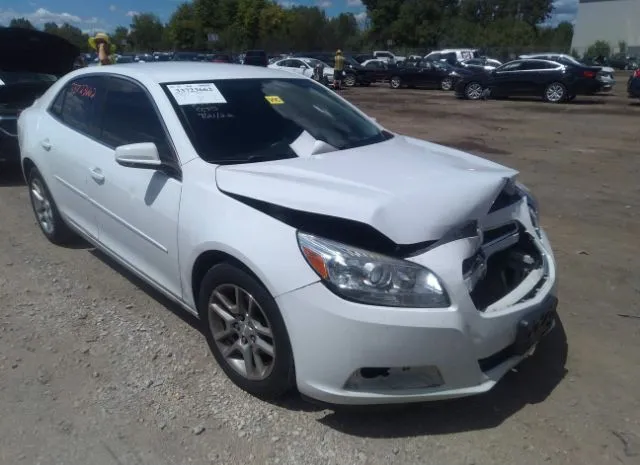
(609, 20)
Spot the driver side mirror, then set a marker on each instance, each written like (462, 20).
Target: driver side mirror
(142, 155)
(303, 67)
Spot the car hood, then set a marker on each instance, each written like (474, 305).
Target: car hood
(409, 190)
(32, 51)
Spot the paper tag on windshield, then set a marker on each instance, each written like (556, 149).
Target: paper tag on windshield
(196, 94)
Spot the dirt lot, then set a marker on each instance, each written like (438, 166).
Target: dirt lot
(97, 369)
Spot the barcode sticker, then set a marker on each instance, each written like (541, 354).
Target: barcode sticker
(196, 94)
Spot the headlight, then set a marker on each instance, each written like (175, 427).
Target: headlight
(372, 278)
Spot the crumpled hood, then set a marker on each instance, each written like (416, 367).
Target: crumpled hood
(31, 51)
(410, 190)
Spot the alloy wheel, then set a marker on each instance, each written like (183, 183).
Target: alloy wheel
(474, 91)
(395, 82)
(350, 80)
(446, 84)
(42, 206)
(555, 92)
(242, 332)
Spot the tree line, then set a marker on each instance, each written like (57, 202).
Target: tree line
(499, 27)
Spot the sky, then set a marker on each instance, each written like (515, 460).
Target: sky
(105, 15)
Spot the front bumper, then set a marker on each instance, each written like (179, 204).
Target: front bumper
(428, 354)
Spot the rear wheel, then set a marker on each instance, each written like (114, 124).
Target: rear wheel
(395, 82)
(446, 84)
(555, 92)
(246, 332)
(473, 91)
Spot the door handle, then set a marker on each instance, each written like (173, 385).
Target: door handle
(46, 144)
(96, 174)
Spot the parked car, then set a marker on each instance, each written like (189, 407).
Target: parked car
(256, 58)
(322, 252)
(633, 84)
(379, 70)
(304, 66)
(354, 72)
(221, 58)
(623, 62)
(30, 62)
(483, 63)
(552, 81)
(186, 56)
(428, 74)
(388, 57)
(605, 74)
(452, 55)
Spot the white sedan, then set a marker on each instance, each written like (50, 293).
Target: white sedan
(303, 66)
(320, 250)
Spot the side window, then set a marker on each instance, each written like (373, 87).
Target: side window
(286, 63)
(56, 106)
(80, 100)
(129, 117)
(514, 66)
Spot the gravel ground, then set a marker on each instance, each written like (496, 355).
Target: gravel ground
(99, 369)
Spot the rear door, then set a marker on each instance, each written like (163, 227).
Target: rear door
(536, 75)
(68, 140)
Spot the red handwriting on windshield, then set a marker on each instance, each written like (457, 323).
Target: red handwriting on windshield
(83, 90)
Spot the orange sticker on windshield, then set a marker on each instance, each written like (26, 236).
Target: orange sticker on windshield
(274, 99)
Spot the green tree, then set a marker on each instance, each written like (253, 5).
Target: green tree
(120, 38)
(51, 28)
(622, 47)
(147, 32)
(598, 48)
(73, 35)
(184, 29)
(21, 22)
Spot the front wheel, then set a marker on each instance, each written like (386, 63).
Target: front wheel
(395, 82)
(555, 92)
(246, 332)
(446, 84)
(473, 91)
(349, 80)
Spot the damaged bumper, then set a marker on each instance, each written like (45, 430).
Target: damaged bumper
(350, 353)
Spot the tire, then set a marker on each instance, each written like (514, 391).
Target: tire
(350, 80)
(473, 91)
(395, 82)
(247, 332)
(555, 92)
(446, 84)
(46, 211)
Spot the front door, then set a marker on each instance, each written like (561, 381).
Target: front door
(139, 208)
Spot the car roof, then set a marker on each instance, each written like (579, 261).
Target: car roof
(188, 71)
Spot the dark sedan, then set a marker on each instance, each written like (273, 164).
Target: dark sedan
(633, 86)
(428, 74)
(552, 81)
(30, 62)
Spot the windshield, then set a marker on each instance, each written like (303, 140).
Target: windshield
(245, 120)
(7, 78)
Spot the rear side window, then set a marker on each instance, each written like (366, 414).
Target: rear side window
(76, 104)
(129, 117)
